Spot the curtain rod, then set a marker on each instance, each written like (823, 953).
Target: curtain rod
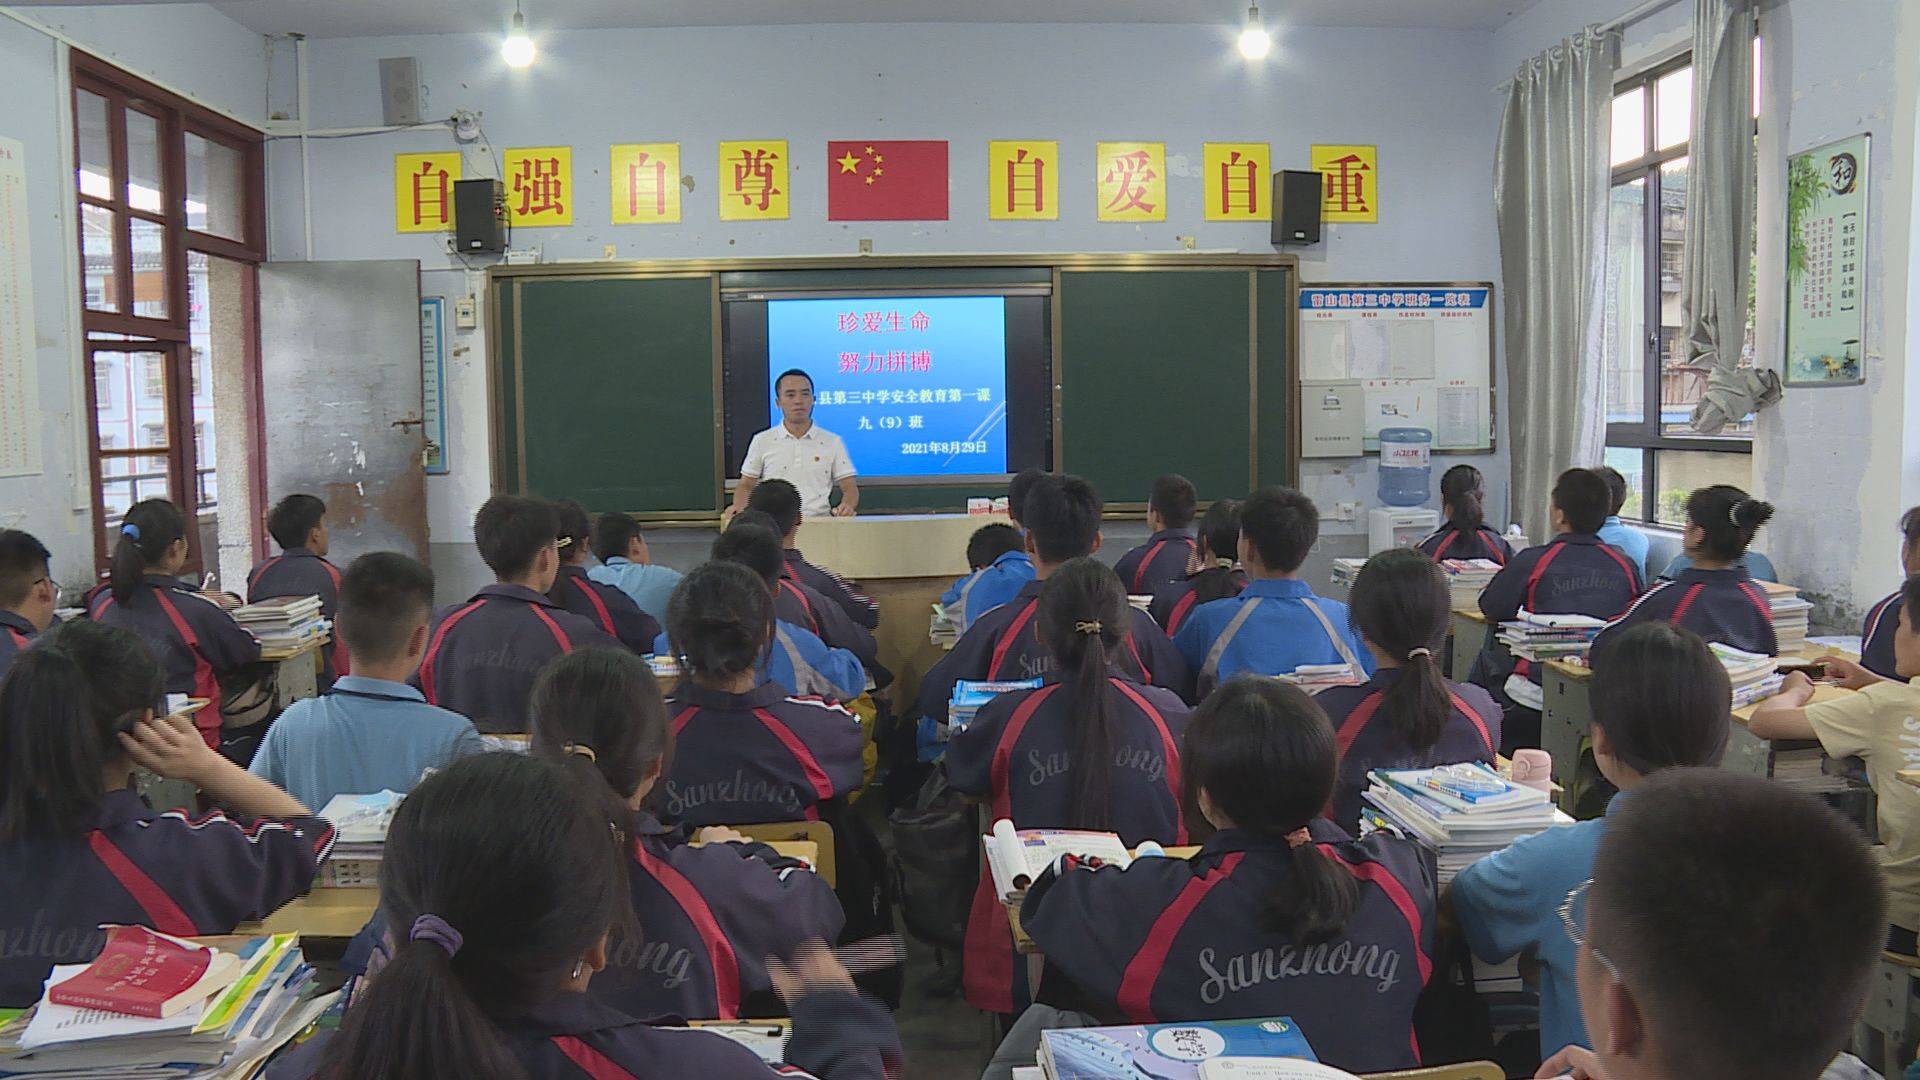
(1646, 10)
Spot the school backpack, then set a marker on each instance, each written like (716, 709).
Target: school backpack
(936, 846)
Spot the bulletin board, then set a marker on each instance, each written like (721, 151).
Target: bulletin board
(1421, 354)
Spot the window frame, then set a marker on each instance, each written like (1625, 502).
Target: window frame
(123, 331)
(1646, 435)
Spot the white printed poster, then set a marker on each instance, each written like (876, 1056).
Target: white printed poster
(1422, 354)
(19, 384)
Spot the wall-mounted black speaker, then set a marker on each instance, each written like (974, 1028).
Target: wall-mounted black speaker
(479, 216)
(1296, 207)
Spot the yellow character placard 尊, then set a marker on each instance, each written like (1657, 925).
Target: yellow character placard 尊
(753, 180)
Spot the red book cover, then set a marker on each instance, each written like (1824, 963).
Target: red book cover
(139, 973)
(887, 180)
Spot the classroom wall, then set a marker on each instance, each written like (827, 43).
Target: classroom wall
(1419, 96)
(55, 504)
(1841, 462)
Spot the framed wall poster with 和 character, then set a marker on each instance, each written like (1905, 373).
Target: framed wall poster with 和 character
(1827, 263)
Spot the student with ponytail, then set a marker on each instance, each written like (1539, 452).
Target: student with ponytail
(745, 751)
(78, 846)
(1092, 749)
(609, 609)
(196, 643)
(1715, 597)
(505, 884)
(708, 916)
(1408, 716)
(1465, 534)
(1279, 914)
(1214, 573)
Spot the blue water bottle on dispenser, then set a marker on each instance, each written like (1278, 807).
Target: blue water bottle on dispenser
(1406, 472)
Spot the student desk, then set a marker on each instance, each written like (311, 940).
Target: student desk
(296, 672)
(1470, 632)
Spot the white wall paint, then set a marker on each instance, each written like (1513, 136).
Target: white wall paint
(191, 48)
(1419, 95)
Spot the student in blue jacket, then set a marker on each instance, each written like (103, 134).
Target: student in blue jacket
(1276, 624)
(1003, 579)
(1714, 597)
(1279, 914)
(985, 548)
(1660, 701)
(1215, 573)
(506, 896)
(1465, 534)
(1408, 716)
(1628, 540)
(708, 916)
(28, 595)
(1089, 750)
(1063, 523)
(298, 523)
(1164, 557)
(626, 563)
(744, 751)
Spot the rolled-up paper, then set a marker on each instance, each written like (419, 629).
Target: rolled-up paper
(1012, 855)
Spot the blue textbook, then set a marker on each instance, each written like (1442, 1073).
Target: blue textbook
(1166, 1051)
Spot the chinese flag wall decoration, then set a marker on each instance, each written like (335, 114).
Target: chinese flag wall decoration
(887, 180)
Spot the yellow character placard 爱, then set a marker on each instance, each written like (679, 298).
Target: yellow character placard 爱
(645, 181)
(753, 180)
(1238, 181)
(423, 191)
(1352, 179)
(1023, 180)
(1130, 180)
(539, 185)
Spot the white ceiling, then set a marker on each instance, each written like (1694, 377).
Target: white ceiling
(374, 18)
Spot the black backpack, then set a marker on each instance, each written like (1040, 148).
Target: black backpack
(936, 843)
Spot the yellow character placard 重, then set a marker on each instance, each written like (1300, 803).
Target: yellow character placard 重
(1352, 182)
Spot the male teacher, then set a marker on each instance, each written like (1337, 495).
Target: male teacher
(802, 453)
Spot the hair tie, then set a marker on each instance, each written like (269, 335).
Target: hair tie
(1090, 627)
(1428, 653)
(1224, 564)
(131, 531)
(1733, 513)
(435, 929)
(564, 541)
(1299, 838)
(581, 750)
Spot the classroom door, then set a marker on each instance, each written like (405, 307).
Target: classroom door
(340, 378)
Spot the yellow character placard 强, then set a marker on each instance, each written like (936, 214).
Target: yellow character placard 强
(1238, 181)
(423, 191)
(646, 183)
(1352, 182)
(1023, 180)
(1131, 181)
(753, 180)
(539, 184)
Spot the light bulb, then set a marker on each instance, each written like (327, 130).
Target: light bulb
(1255, 42)
(517, 49)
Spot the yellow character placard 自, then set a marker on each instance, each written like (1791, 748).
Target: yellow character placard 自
(645, 183)
(1238, 181)
(1130, 181)
(1023, 180)
(423, 191)
(1352, 179)
(753, 180)
(539, 185)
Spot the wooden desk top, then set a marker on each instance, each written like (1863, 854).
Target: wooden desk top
(1821, 692)
(1807, 654)
(307, 649)
(1470, 614)
(1910, 777)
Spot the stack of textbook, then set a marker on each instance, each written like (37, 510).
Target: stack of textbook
(966, 702)
(1461, 812)
(154, 1006)
(1790, 615)
(1314, 678)
(1755, 676)
(1270, 1048)
(1468, 578)
(666, 669)
(945, 629)
(1345, 571)
(1541, 638)
(284, 623)
(360, 825)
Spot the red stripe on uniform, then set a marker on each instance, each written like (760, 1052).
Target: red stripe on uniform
(254, 579)
(1146, 563)
(720, 954)
(1168, 750)
(1753, 594)
(816, 776)
(205, 683)
(1686, 601)
(1486, 736)
(1440, 552)
(1146, 674)
(595, 1064)
(1357, 719)
(680, 722)
(559, 635)
(19, 639)
(813, 624)
(1533, 580)
(161, 910)
(1397, 893)
(1493, 546)
(1878, 613)
(342, 662)
(1135, 998)
(1180, 609)
(433, 649)
(988, 957)
(599, 606)
(1007, 638)
(1003, 752)
(1632, 574)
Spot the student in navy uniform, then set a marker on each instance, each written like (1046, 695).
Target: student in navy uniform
(1573, 574)
(505, 895)
(708, 917)
(1408, 716)
(1001, 582)
(1089, 750)
(482, 656)
(1169, 550)
(1730, 929)
(298, 523)
(1882, 622)
(780, 501)
(1017, 489)
(1063, 523)
(627, 564)
(78, 846)
(987, 546)
(1714, 597)
(1465, 534)
(609, 609)
(744, 751)
(27, 593)
(1279, 914)
(196, 643)
(1276, 624)
(1214, 573)
(799, 605)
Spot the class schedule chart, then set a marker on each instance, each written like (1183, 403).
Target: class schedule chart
(915, 385)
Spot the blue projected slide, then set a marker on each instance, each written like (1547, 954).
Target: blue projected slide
(915, 385)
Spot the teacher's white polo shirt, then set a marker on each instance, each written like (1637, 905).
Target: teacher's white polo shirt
(813, 463)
